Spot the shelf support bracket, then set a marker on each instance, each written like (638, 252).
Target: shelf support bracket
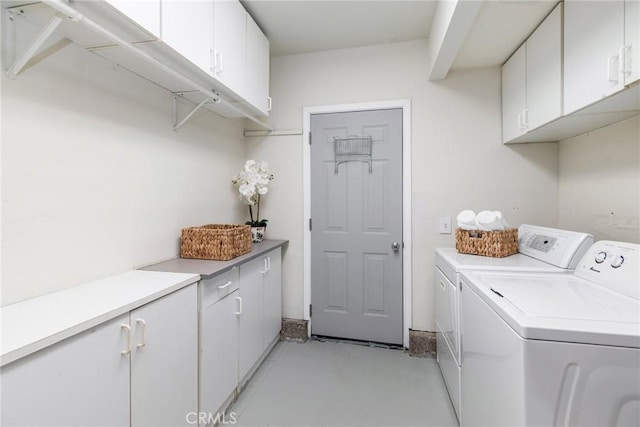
(34, 46)
(177, 125)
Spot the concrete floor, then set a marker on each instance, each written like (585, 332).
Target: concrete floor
(342, 384)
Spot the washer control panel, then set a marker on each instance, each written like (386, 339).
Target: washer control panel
(562, 248)
(615, 265)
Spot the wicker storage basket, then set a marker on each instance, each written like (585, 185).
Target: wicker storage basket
(496, 244)
(215, 241)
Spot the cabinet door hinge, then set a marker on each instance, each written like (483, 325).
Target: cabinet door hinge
(310, 224)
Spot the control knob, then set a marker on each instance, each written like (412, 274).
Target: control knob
(600, 257)
(617, 261)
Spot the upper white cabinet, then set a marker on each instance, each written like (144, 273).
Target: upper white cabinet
(257, 76)
(598, 50)
(514, 94)
(631, 68)
(145, 13)
(187, 27)
(532, 80)
(230, 44)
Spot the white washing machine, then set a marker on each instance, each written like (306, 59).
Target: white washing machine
(542, 250)
(554, 349)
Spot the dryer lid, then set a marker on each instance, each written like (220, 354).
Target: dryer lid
(560, 307)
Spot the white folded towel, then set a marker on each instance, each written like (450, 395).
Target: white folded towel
(488, 221)
(500, 217)
(467, 220)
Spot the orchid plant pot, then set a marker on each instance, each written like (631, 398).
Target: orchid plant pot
(257, 233)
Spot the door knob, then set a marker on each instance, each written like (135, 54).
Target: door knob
(395, 246)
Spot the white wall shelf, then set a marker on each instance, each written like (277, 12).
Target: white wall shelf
(131, 47)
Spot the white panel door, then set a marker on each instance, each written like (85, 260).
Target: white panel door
(514, 95)
(164, 360)
(251, 334)
(187, 26)
(273, 297)
(544, 72)
(81, 381)
(356, 235)
(631, 41)
(230, 44)
(593, 38)
(257, 67)
(218, 352)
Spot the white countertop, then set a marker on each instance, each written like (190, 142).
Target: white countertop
(31, 325)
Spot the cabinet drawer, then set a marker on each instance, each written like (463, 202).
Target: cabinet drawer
(216, 288)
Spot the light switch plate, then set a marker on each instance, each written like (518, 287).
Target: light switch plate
(445, 225)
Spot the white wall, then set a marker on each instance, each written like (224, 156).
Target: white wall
(600, 182)
(458, 159)
(95, 182)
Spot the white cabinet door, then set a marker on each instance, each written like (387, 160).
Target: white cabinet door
(593, 38)
(251, 318)
(257, 76)
(544, 72)
(230, 44)
(273, 297)
(81, 381)
(631, 41)
(145, 13)
(164, 360)
(218, 352)
(187, 26)
(514, 95)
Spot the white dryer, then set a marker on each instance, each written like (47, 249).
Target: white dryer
(542, 250)
(554, 349)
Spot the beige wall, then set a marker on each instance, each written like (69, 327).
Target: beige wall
(458, 159)
(600, 182)
(95, 182)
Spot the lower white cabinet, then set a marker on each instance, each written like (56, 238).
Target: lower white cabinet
(81, 381)
(218, 353)
(138, 369)
(164, 360)
(272, 297)
(251, 315)
(261, 314)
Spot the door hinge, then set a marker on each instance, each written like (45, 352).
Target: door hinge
(309, 138)
(310, 310)
(310, 224)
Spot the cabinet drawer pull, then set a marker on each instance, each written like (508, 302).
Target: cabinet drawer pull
(226, 285)
(128, 329)
(239, 299)
(144, 333)
(265, 267)
(268, 263)
(270, 102)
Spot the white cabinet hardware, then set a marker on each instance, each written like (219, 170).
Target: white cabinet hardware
(143, 328)
(127, 330)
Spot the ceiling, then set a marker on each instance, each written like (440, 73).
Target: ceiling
(302, 26)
